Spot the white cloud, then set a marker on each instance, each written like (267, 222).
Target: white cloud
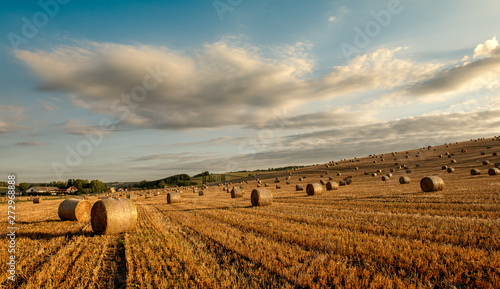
(341, 13)
(333, 19)
(487, 48)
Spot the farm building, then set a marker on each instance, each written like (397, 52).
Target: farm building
(42, 190)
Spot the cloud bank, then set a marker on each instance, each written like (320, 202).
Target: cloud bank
(221, 84)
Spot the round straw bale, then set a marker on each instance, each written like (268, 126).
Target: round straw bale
(299, 188)
(278, 186)
(287, 182)
(444, 167)
(266, 185)
(173, 197)
(497, 165)
(485, 163)
(494, 154)
(494, 172)
(385, 178)
(339, 174)
(389, 175)
(236, 193)
(404, 180)
(200, 193)
(332, 186)
(453, 161)
(431, 184)
(374, 174)
(131, 196)
(483, 153)
(314, 189)
(322, 182)
(113, 216)
(475, 172)
(330, 178)
(75, 210)
(348, 182)
(450, 170)
(261, 197)
(37, 200)
(408, 171)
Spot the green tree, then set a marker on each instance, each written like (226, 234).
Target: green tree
(97, 186)
(24, 186)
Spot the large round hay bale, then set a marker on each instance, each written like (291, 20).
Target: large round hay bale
(404, 180)
(200, 193)
(131, 196)
(261, 197)
(75, 210)
(322, 182)
(385, 178)
(475, 172)
(431, 184)
(113, 216)
(236, 193)
(37, 200)
(494, 172)
(497, 165)
(299, 188)
(314, 189)
(173, 197)
(332, 186)
(485, 163)
(450, 170)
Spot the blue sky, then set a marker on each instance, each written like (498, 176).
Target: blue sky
(133, 90)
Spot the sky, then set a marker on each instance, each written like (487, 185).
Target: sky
(141, 90)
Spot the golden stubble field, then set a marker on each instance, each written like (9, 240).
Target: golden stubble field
(370, 234)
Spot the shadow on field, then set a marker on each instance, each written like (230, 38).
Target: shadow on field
(38, 222)
(48, 236)
(354, 198)
(207, 209)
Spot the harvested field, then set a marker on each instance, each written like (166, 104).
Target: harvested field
(371, 233)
